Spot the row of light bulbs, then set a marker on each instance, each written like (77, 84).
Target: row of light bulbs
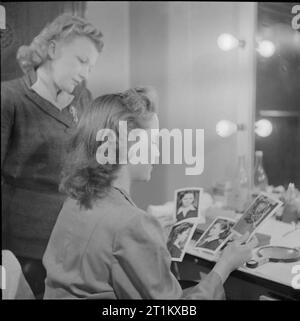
(265, 48)
(226, 42)
(226, 128)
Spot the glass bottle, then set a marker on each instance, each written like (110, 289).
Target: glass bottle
(260, 177)
(241, 188)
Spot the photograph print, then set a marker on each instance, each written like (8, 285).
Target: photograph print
(187, 201)
(263, 207)
(216, 234)
(179, 238)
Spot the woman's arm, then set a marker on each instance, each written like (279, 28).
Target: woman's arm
(141, 267)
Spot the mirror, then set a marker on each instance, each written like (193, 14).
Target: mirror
(278, 91)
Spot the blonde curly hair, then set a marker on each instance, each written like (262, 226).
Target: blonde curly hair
(64, 27)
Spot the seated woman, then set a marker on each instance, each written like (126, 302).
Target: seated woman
(102, 245)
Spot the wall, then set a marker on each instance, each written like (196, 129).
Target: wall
(199, 84)
(111, 72)
(148, 66)
(173, 47)
(210, 84)
(19, 32)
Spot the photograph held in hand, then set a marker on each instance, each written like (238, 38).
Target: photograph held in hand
(260, 210)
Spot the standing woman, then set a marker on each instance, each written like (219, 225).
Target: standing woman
(38, 113)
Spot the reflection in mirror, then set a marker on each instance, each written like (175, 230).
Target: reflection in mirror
(278, 92)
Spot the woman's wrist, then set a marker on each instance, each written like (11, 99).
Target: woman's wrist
(223, 269)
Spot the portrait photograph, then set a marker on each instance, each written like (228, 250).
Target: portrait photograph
(187, 201)
(216, 234)
(262, 208)
(179, 238)
(199, 231)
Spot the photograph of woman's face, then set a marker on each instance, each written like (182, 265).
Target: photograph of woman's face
(187, 202)
(216, 234)
(187, 199)
(182, 237)
(258, 213)
(179, 238)
(217, 229)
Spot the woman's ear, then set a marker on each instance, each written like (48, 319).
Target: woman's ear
(52, 49)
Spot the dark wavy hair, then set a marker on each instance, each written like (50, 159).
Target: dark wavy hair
(83, 177)
(225, 229)
(177, 231)
(182, 196)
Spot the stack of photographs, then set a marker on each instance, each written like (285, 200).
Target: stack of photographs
(221, 231)
(187, 215)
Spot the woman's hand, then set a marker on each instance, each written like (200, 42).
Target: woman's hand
(234, 255)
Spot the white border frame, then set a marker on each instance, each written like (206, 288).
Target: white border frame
(208, 228)
(278, 205)
(199, 215)
(192, 231)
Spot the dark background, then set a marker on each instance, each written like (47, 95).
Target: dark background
(278, 89)
(24, 21)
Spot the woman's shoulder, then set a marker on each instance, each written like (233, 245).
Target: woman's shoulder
(10, 86)
(139, 228)
(123, 215)
(142, 225)
(123, 212)
(192, 212)
(111, 213)
(12, 91)
(111, 210)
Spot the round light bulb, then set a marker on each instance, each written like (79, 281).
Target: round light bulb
(266, 48)
(226, 128)
(227, 41)
(263, 128)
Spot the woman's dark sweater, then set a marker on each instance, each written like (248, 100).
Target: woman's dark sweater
(34, 134)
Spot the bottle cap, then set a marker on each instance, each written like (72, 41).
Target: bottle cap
(252, 264)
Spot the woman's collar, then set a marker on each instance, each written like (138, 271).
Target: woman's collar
(62, 100)
(186, 209)
(211, 238)
(124, 194)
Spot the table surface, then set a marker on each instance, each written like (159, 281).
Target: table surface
(276, 272)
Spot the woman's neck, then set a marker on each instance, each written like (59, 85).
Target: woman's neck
(123, 181)
(43, 75)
